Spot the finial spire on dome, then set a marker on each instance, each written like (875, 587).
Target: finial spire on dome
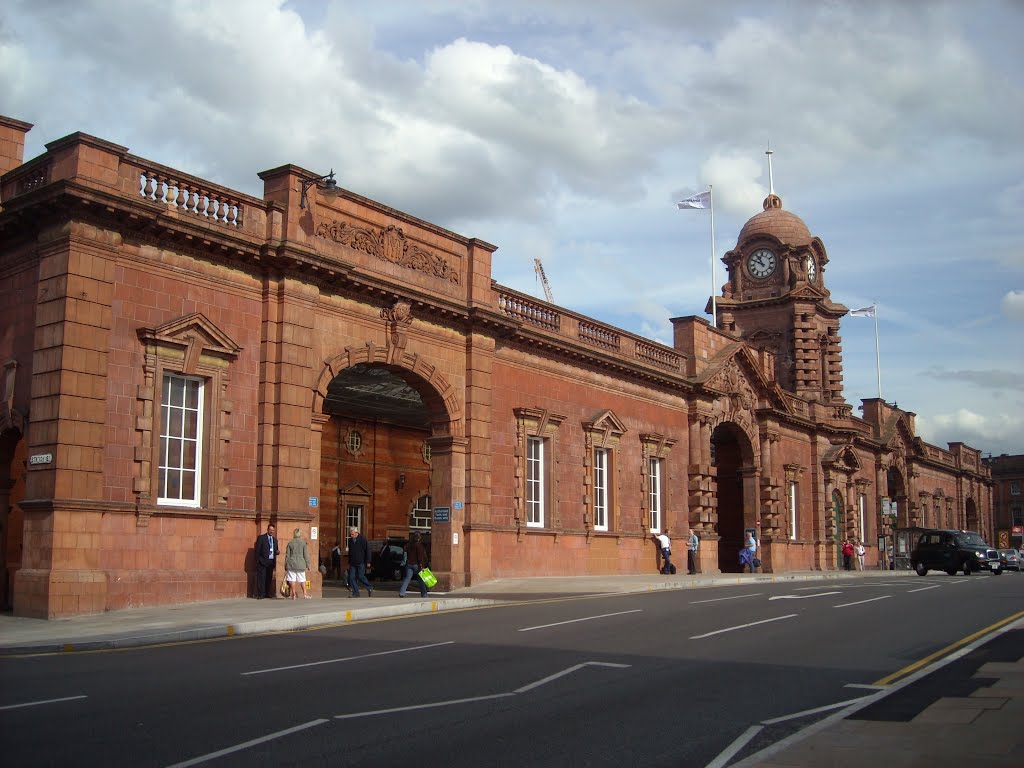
(773, 200)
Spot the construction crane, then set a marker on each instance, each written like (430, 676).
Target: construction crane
(539, 269)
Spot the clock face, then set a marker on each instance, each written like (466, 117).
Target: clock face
(761, 262)
(812, 268)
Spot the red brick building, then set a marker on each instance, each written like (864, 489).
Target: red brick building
(1007, 500)
(184, 363)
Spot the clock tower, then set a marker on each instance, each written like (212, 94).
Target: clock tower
(775, 299)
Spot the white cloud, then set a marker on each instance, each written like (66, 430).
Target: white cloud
(994, 433)
(563, 130)
(1013, 306)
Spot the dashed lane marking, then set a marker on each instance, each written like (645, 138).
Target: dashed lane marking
(742, 626)
(719, 599)
(346, 658)
(43, 701)
(861, 602)
(245, 745)
(574, 621)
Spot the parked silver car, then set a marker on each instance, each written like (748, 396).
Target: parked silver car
(1010, 559)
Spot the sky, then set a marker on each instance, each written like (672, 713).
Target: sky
(566, 130)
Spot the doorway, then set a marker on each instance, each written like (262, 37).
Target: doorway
(733, 462)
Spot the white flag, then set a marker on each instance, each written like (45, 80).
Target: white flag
(864, 312)
(703, 200)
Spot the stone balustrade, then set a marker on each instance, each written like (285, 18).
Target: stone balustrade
(527, 311)
(569, 325)
(190, 195)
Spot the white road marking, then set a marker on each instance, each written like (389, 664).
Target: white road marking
(922, 589)
(564, 672)
(861, 602)
(247, 744)
(743, 626)
(573, 621)
(734, 597)
(802, 597)
(43, 701)
(450, 702)
(771, 750)
(741, 741)
(816, 710)
(811, 589)
(422, 706)
(347, 658)
(868, 686)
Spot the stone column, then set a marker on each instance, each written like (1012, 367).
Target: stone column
(284, 459)
(316, 432)
(62, 571)
(478, 415)
(448, 491)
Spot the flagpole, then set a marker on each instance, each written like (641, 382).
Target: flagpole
(714, 303)
(878, 359)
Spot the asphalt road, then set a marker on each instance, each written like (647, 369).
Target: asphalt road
(654, 679)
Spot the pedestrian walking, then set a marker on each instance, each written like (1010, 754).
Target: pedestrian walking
(692, 545)
(665, 544)
(415, 559)
(860, 552)
(358, 559)
(296, 563)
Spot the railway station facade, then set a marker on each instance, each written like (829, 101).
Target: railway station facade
(184, 363)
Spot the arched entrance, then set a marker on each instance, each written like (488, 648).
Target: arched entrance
(13, 460)
(390, 437)
(733, 460)
(897, 493)
(839, 520)
(971, 517)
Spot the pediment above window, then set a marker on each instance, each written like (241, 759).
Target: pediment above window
(193, 339)
(605, 430)
(842, 458)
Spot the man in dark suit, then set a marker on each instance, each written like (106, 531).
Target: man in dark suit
(267, 551)
(358, 559)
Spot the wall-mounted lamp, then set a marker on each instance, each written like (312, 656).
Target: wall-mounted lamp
(326, 184)
(400, 482)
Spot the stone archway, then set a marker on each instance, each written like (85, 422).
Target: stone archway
(378, 381)
(971, 519)
(732, 457)
(896, 490)
(11, 488)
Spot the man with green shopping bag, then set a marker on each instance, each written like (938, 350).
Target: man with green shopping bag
(415, 565)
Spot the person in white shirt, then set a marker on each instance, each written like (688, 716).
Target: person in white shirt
(860, 552)
(666, 551)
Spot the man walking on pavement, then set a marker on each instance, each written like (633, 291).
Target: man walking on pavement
(358, 559)
(692, 545)
(666, 552)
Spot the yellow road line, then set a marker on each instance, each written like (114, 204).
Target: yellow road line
(890, 679)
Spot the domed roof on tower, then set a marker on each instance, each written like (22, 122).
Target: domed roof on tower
(787, 227)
